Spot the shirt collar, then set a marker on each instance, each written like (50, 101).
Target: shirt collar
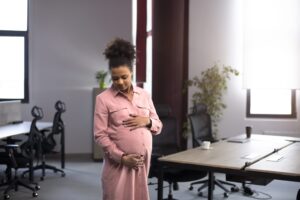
(116, 91)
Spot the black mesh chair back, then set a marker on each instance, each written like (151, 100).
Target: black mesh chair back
(32, 146)
(166, 142)
(58, 124)
(49, 142)
(200, 125)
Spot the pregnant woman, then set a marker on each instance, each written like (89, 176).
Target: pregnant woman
(124, 121)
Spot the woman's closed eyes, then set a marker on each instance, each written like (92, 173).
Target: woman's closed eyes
(116, 78)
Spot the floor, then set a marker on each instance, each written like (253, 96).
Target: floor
(82, 182)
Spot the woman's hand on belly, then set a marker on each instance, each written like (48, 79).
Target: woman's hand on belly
(133, 161)
(136, 121)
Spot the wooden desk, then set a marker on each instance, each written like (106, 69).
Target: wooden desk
(287, 167)
(229, 157)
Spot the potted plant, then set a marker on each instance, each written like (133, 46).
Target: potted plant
(100, 76)
(211, 85)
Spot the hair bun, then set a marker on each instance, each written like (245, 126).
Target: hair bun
(119, 48)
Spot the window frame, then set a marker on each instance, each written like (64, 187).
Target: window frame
(293, 115)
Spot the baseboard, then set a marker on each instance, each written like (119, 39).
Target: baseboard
(72, 156)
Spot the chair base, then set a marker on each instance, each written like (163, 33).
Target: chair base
(44, 167)
(218, 183)
(15, 183)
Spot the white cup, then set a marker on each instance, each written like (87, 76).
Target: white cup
(205, 145)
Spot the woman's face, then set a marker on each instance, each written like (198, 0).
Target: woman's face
(121, 78)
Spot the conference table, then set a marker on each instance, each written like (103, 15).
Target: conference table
(261, 156)
(15, 129)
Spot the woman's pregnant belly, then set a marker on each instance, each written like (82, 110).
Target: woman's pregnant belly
(136, 141)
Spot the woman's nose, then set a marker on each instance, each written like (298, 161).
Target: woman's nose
(120, 81)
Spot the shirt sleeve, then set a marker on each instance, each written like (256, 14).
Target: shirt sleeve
(100, 131)
(156, 123)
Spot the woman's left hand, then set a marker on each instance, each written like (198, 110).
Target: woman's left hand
(136, 122)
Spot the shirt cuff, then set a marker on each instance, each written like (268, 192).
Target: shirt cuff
(115, 155)
(155, 126)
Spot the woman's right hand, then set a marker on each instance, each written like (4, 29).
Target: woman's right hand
(133, 161)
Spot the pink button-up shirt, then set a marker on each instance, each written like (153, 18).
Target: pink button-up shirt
(112, 107)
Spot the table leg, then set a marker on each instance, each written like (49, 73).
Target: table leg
(31, 172)
(62, 151)
(160, 184)
(210, 185)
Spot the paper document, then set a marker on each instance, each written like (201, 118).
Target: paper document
(251, 156)
(238, 140)
(274, 158)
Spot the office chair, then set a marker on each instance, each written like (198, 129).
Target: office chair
(22, 157)
(49, 143)
(202, 131)
(167, 143)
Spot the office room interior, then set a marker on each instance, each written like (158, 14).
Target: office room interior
(66, 42)
(65, 51)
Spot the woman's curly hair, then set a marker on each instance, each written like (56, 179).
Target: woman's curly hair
(119, 52)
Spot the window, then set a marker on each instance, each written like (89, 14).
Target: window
(271, 61)
(148, 84)
(142, 34)
(271, 103)
(14, 50)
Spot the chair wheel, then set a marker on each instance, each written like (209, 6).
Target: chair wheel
(34, 194)
(37, 187)
(63, 175)
(235, 189)
(191, 188)
(42, 178)
(200, 194)
(226, 195)
(6, 196)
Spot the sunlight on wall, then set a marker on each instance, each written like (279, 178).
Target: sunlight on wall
(271, 44)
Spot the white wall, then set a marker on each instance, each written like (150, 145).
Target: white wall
(215, 35)
(67, 38)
